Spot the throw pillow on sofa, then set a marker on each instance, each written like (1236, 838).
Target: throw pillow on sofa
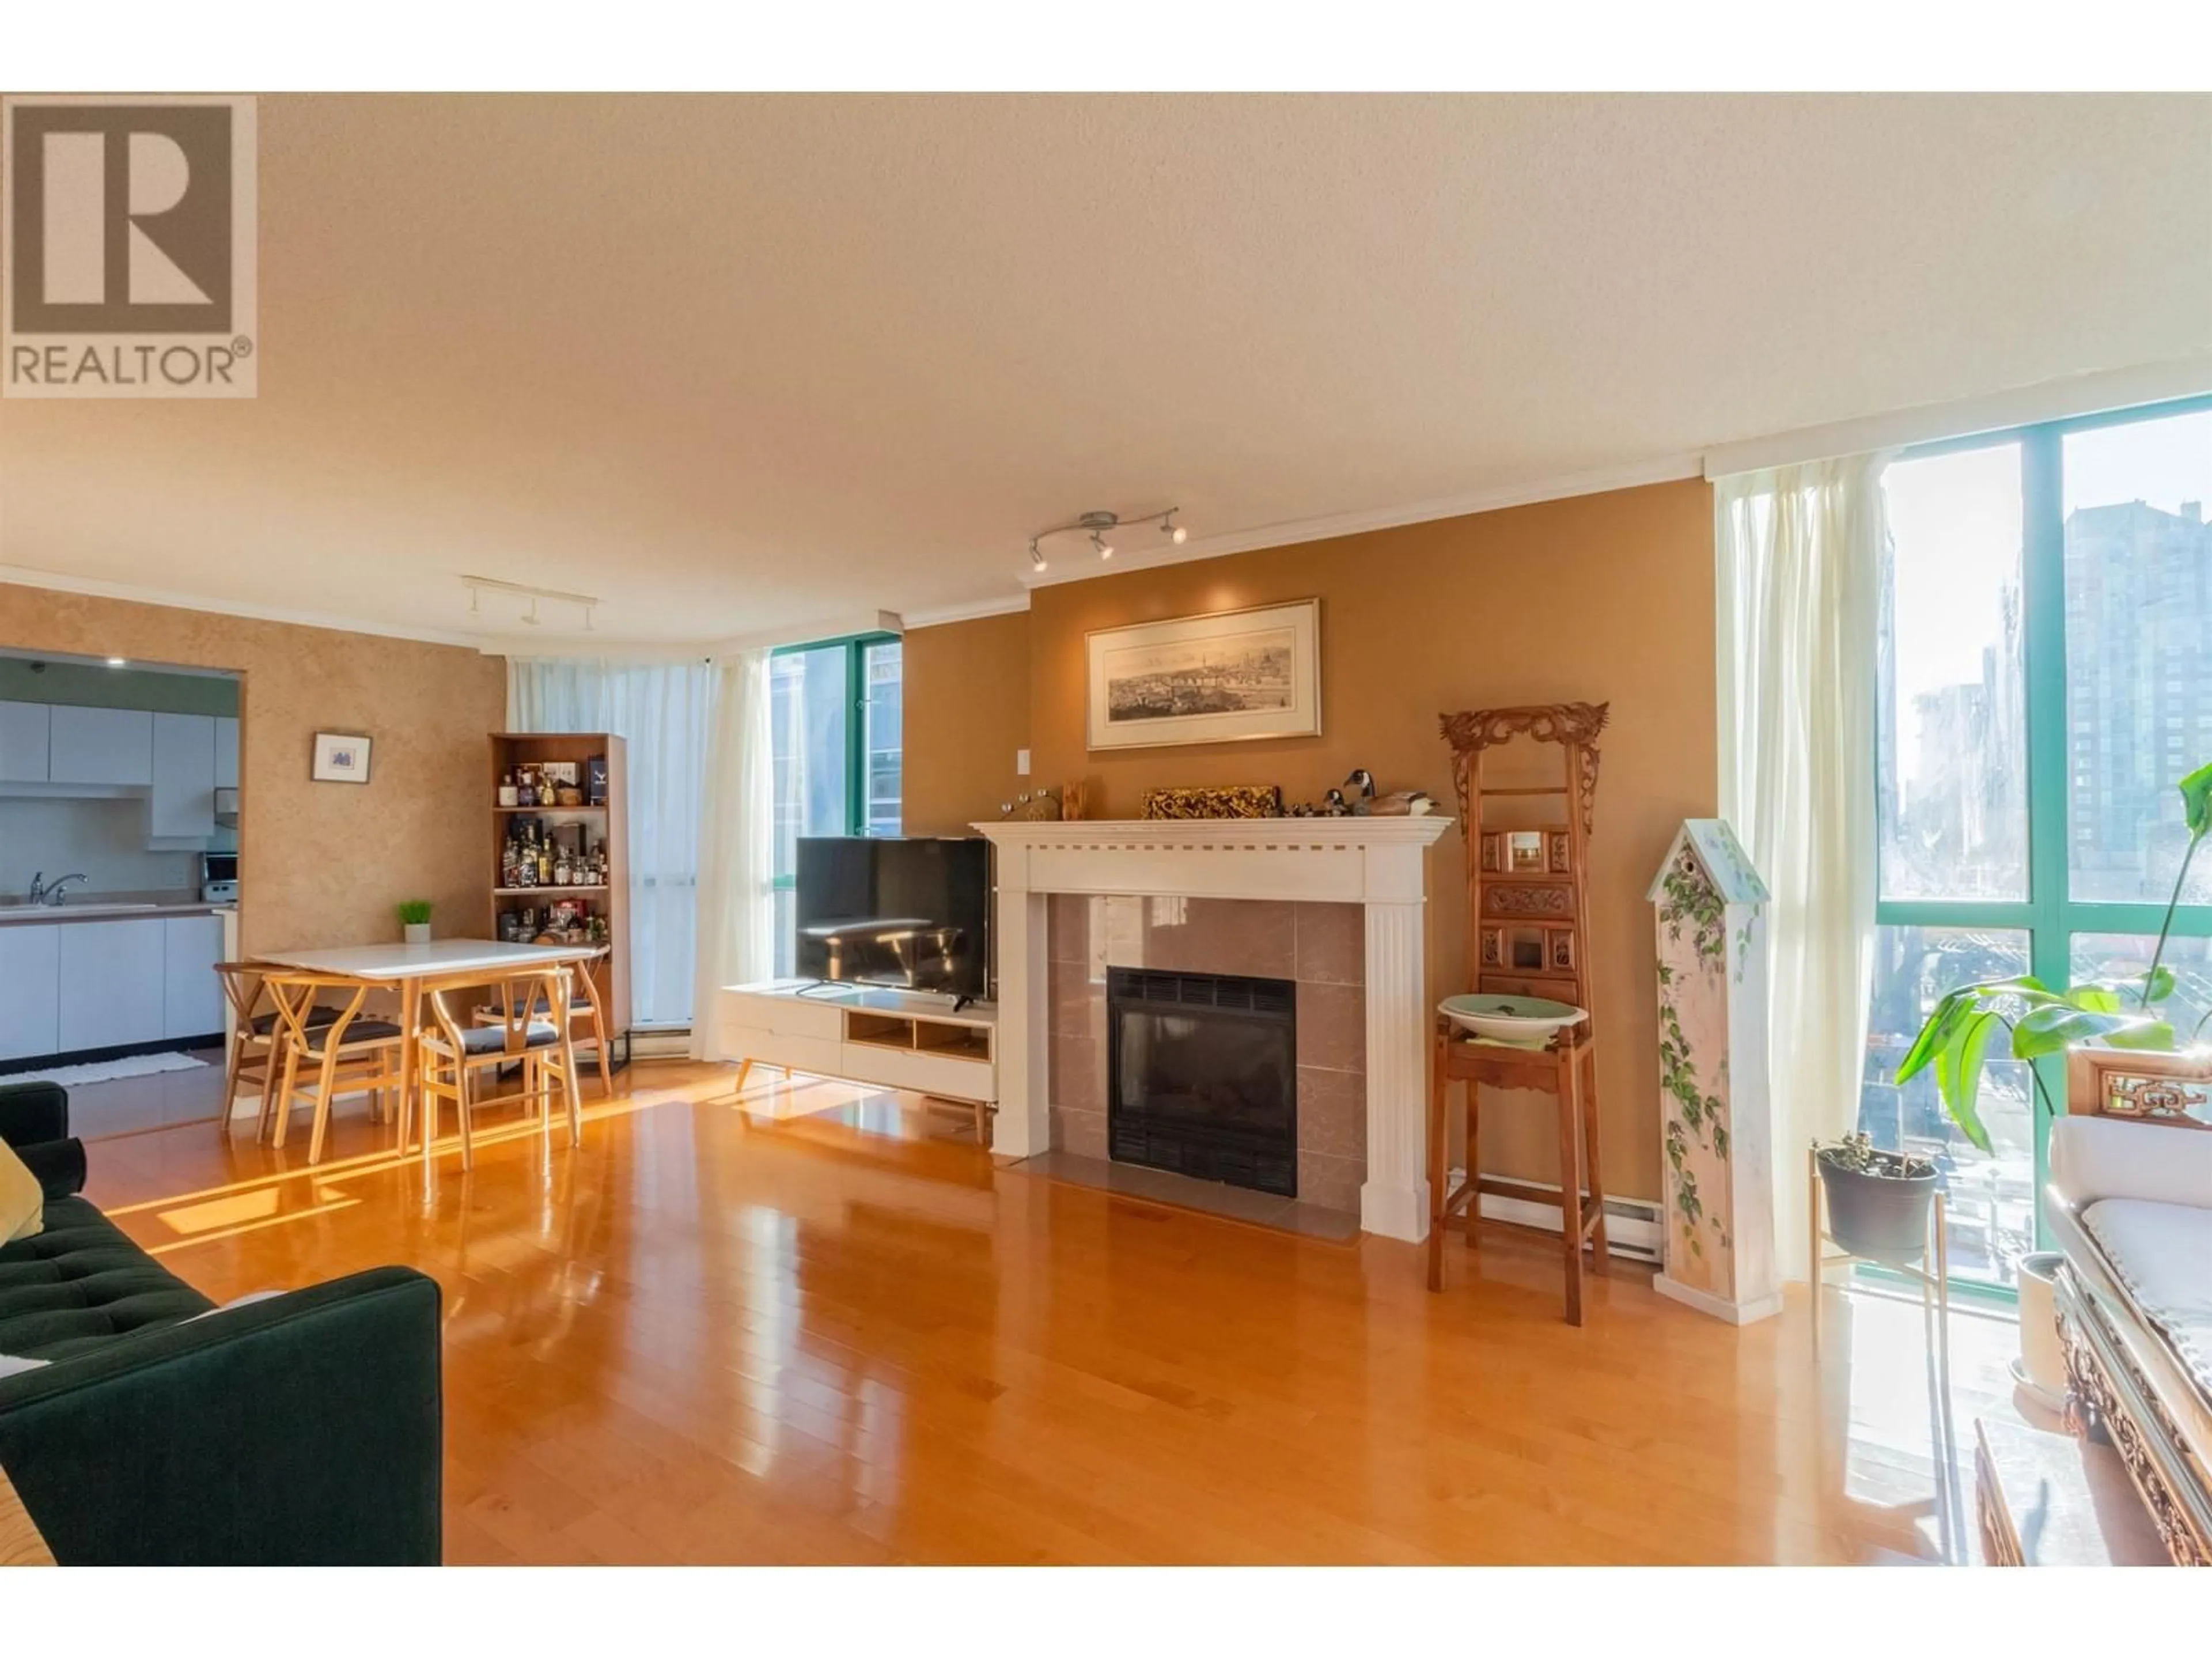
(22, 1201)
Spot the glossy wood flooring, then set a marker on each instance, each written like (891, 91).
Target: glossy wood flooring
(823, 1327)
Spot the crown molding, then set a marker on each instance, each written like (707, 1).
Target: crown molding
(57, 581)
(1288, 533)
(1006, 605)
(2026, 405)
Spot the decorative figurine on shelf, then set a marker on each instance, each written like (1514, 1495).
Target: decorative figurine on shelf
(1041, 807)
(1333, 806)
(1399, 804)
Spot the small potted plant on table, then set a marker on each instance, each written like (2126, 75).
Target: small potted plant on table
(415, 922)
(1878, 1200)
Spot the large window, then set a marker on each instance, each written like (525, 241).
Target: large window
(834, 710)
(2044, 679)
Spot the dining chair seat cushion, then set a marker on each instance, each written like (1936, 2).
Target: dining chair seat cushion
(264, 1024)
(361, 1032)
(492, 1039)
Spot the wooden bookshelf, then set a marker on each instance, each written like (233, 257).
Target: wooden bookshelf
(593, 823)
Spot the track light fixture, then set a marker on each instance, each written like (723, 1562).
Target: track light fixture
(479, 585)
(1098, 523)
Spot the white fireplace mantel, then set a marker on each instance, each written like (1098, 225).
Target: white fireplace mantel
(1376, 863)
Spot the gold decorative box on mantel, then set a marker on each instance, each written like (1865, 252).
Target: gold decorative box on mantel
(1235, 800)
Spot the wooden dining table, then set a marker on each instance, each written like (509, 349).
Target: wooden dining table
(407, 968)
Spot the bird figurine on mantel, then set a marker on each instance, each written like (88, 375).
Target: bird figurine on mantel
(1399, 804)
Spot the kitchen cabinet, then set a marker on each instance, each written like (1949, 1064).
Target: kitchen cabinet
(113, 978)
(30, 1008)
(182, 804)
(101, 745)
(225, 751)
(25, 729)
(192, 996)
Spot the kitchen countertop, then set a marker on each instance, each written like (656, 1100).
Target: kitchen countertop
(106, 906)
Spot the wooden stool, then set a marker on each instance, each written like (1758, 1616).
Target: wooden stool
(1567, 1069)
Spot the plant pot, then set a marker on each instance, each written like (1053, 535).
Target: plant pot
(1881, 1217)
(416, 932)
(2041, 1367)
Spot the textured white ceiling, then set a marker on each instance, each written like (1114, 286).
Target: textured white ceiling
(741, 363)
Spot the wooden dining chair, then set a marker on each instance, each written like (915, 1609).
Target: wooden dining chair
(592, 1010)
(348, 1054)
(453, 1055)
(255, 1051)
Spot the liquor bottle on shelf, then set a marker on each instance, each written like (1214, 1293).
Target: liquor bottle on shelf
(508, 794)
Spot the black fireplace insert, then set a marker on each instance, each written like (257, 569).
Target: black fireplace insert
(1202, 1077)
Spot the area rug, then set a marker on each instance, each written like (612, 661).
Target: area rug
(106, 1071)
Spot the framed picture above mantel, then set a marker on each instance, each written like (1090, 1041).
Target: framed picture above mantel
(1227, 678)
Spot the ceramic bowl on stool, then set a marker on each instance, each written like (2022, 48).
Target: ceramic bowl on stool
(1509, 1018)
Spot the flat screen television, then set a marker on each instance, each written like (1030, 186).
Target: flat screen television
(913, 913)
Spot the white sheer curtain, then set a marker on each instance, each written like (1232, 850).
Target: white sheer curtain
(1799, 551)
(664, 712)
(736, 865)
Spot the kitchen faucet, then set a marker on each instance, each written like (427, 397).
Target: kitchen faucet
(42, 894)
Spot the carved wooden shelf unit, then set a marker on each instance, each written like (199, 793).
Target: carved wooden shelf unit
(1528, 922)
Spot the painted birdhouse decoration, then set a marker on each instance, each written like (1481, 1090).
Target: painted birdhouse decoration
(1709, 908)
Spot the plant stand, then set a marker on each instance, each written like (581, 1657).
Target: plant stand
(1928, 1275)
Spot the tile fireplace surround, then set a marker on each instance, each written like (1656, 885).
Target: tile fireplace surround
(1334, 904)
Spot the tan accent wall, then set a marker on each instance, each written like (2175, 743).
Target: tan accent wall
(1604, 598)
(322, 863)
(966, 711)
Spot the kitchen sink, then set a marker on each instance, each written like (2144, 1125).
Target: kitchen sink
(58, 911)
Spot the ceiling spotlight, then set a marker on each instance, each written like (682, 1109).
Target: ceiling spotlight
(1176, 532)
(1105, 548)
(1036, 558)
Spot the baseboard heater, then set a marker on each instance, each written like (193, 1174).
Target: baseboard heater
(1631, 1225)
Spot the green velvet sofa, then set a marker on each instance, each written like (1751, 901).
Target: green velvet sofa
(301, 1430)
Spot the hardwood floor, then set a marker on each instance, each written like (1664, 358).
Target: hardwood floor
(821, 1327)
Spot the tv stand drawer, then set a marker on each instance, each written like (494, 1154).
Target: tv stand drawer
(803, 1017)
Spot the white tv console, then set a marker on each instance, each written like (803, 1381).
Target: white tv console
(860, 1034)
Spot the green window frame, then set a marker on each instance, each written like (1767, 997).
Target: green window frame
(855, 647)
(2051, 914)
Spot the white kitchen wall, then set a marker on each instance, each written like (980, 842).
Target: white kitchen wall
(105, 839)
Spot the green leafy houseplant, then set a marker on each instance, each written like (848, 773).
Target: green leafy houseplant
(1955, 1041)
(415, 913)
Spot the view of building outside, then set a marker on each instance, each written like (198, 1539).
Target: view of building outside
(1952, 770)
(886, 664)
(811, 704)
